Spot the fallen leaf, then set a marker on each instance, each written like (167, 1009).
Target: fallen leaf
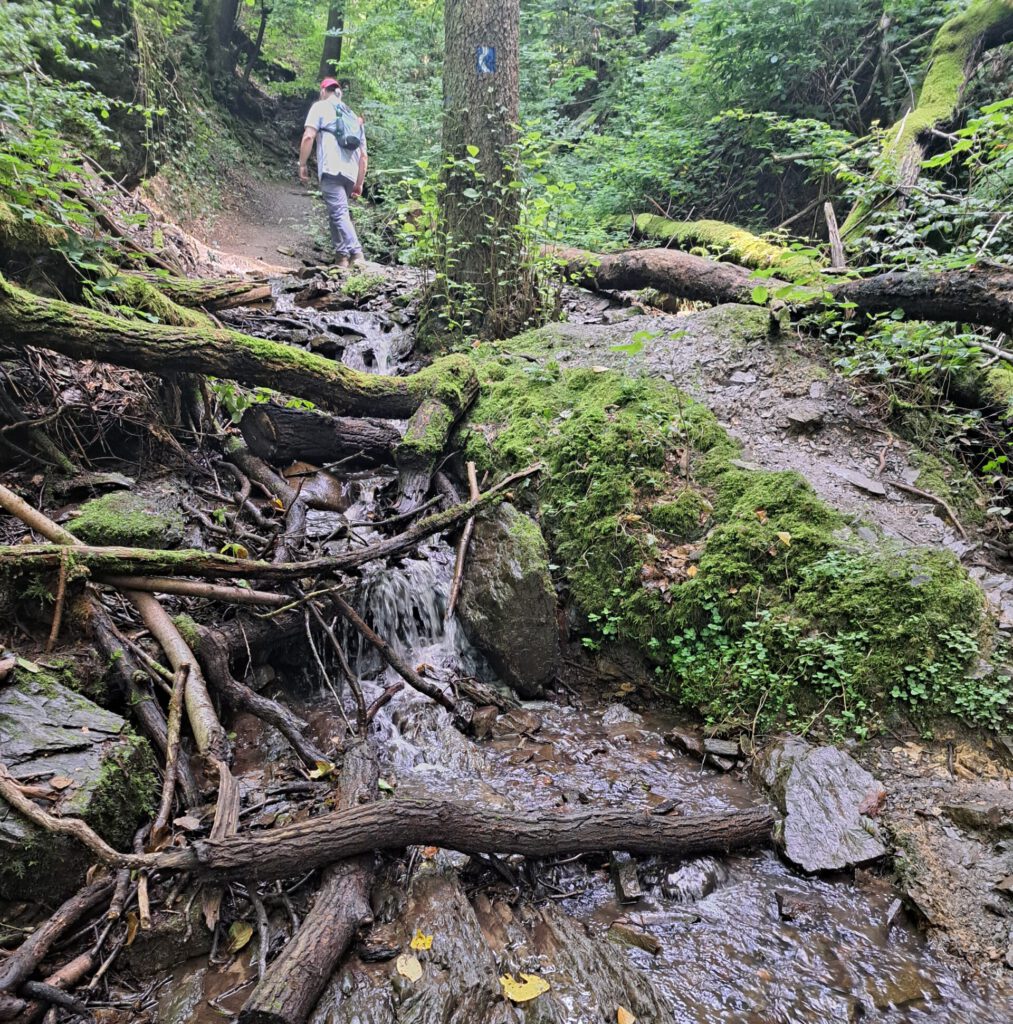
(240, 934)
(422, 941)
(133, 923)
(408, 966)
(424, 668)
(761, 514)
(692, 571)
(785, 538)
(60, 782)
(384, 786)
(430, 851)
(623, 1016)
(529, 987)
(626, 687)
(322, 770)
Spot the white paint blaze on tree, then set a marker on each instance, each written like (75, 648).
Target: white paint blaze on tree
(480, 105)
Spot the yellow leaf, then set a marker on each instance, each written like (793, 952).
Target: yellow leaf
(240, 934)
(278, 503)
(422, 941)
(623, 1016)
(524, 990)
(692, 571)
(761, 514)
(322, 770)
(133, 923)
(408, 966)
(785, 539)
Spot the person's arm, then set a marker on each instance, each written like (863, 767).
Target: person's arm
(363, 163)
(305, 148)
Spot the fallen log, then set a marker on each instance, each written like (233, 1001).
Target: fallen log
(280, 435)
(27, 319)
(462, 825)
(294, 982)
(979, 295)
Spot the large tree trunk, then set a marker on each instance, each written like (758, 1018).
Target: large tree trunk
(331, 56)
(463, 825)
(481, 93)
(957, 47)
(27, 319)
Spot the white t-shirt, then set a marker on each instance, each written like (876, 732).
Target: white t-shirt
(331, 158)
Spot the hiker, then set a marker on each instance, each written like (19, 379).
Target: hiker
(341, 165)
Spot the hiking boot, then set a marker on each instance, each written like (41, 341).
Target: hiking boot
(356, 259)
(340, 262)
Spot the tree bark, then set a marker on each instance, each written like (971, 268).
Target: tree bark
(280, 435)
(27, 319)
(481, 91)
(461, 825)
(295, 981)
(956, 50)
(979, 295)
(331, 56)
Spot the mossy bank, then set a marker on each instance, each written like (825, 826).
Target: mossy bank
(756, 602)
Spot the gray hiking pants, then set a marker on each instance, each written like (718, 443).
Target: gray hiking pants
(337, 190)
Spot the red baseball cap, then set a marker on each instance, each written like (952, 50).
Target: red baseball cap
(330, 83)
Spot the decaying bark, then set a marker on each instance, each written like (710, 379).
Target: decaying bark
(461, 825)
(294, 982)
(280, 435)
(980, 295)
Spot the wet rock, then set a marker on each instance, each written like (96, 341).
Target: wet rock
(620, 714)
(823, 794)
(634, 936)
(802, 911)
(508, 603)
(903, 987)
(722, 748)
(720, 754)
(175, 937)
(516, 722)
(991, 816)
(86, 763)
(694, 879)
(623, 869)
(687, 742)
(178, 1001)
(482, 721)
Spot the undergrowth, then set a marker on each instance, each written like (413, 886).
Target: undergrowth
(754, 600)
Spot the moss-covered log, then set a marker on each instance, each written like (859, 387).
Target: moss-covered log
(27, 319)
(957, 47)
(727, 241)
(980, 295)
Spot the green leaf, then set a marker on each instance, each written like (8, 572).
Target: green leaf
(759, 295)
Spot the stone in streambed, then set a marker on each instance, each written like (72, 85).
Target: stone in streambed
(86, 762)
(508, 603)
(826, 798)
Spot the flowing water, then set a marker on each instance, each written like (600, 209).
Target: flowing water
(711, 941)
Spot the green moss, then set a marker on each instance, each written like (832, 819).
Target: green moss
(359, 286)
(999, 387)
(740, 588)
(683, 518)
(189, 630)
(717, 238)
(945, 478)
(126, 792)
(124, 517)
(131, 293)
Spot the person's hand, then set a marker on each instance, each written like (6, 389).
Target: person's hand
(304, 174)
(356, 193)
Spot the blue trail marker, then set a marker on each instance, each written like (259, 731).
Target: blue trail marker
(485, 60)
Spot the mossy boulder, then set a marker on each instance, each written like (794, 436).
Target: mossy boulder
(93, 764)
(750, 596)
(148, 518)
(508, 602)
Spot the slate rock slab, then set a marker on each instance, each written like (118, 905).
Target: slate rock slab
(827, 800)
(88, 764)
(508, 602)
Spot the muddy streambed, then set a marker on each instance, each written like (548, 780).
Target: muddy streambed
(743, 938)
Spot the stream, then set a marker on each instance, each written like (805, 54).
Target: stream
(741, 939)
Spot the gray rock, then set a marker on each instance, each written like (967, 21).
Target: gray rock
(88, 764)
(508, 603)
(861, 481)
(826, 798)
(694, 879)
(992, 816)
(805, 415)
(615, 714)
(623, 869)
